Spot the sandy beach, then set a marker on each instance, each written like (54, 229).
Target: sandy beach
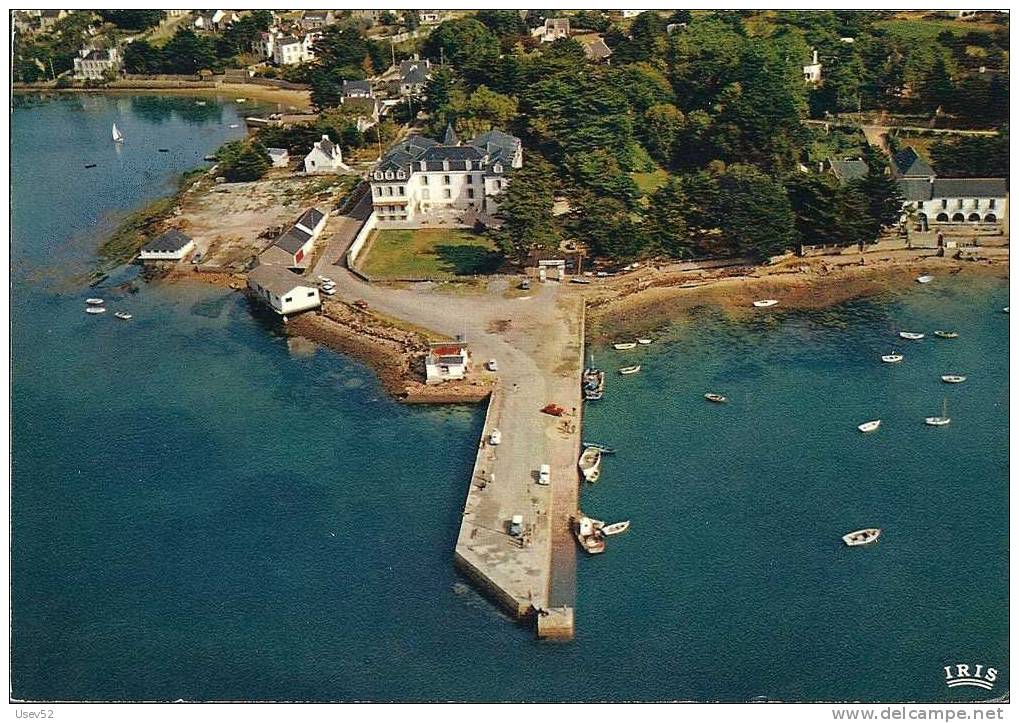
(284, 98)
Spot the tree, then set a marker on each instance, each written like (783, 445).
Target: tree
(525, 209)
(188, 53)
(938, 90)
(136, 20)
(884, 200)
(504, 23)
(599, 172)
(662, 131)
(606, 227)
(240, 35)
(665, 221)
(144, 58)
(463, 42)
(243, 161)
(755, 216)
(816, 213)
(439, 91)
(972, 156)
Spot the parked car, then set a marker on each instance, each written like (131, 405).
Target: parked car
(495, 437)
(544, 474)
(516, 527)
(493, 366)
(328, 291)
(525, 284)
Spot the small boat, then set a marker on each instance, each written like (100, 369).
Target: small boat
(645, 342)
(894, 358)
(95, 310)
(593, 384)
(604, 449)
(123, 315)
(235, 125)
(862, 537)
(1005, 310)
(765, 303)
(199, 102)
(616, 528)
(946, 334)
(630, 370)
(554, 409)
(579, 280)
(163, 150)
(118, 137)
(914, 335)
(94, 301)
(241, 100)
(90, 165)
(717, 398)
(939, 421)
(624, 345)
(925, 279)
(870, 426)
(590, 464)
(210, 157)
(495, 437)
(953, 378)
(589, 535)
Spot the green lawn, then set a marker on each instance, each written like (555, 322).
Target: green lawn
(432, 253)
(648, 183)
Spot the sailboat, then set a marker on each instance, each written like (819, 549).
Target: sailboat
(118, 137)
(942, 420)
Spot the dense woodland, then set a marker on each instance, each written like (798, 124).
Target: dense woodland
(710, 112)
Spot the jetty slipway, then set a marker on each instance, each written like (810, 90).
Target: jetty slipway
(540, 355)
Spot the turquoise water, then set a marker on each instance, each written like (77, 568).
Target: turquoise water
(204, 511)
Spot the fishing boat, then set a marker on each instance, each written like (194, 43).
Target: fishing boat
(616, 528)
(90, 165)
(95, 310)
(941, 420)
(765, 303)
(862, 537)
(624, 345)
(123, 315)
(914, 335)
(590, 464)
(118, 137)
(630, 370)
(588, 535)
(925, 279)
(235, 125)
(579, 280)
(163, 150)
(1005, 310)
(870, 426)
(946, 334)
(94, 301)
(593, 384)
(953, 378)
(717, 398)
(603, 448)
(241, 100)
(645, 342)
(893, 358)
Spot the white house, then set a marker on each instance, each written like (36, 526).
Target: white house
(325, 157)
(317, 19)
(812, 70)
(421, 181)
(431, 17)
(280, 157)
(357, 89)
(950, 201)
(553, 29)
(292, 50)
(283, 291)
(92, 64)
(293, 249)
(446, 362)
(170, 246)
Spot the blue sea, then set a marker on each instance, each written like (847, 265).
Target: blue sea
(205, 510)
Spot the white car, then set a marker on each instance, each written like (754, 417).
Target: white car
(495, 437)
(328, 291)
(325, 279)
(492, 365)
(544, 474)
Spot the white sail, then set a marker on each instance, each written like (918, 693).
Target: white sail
(118, 137)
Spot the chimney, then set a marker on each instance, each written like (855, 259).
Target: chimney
(815, 56)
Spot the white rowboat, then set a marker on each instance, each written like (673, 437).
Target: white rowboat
(630, 370)
(870, 426)
(941, 421)
(764, 303)
(95, 310)
(616, 528)
(862, 537)
(94, 302)
(645, 342)
(925, 279)
(953, 378)
(622, 346)
(946, 334)
(914, 335)
(123, 315)
(891, 358)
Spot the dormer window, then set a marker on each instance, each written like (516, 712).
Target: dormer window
(498, 168)
(389, 175)
(378, 175)
(401, 174)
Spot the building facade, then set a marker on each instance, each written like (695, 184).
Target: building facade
(324, 157)
(931, 200)
(422, 181)
(281, 290)
(293, 249)
(446, 362)
(172, 245)
(92, 64)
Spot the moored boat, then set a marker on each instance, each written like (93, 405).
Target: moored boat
(616, 528)
(593, 384)
(912, 335)
(716, 398)
(123, 315)
(95, 310)
(765, 303)
(589, 535)
(953, 378)
(624, 345)
(630, 370)
(942, 420)
(870, 426)
(590, 464)
(946, 334)
(94, 301)
(1005, 310)
(893, 358)
(925, 279)
(118, 137)
(603, 448)
(862, 537)
(645, 342)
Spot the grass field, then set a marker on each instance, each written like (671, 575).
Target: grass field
(650, 182)
(431, 253)
(915, 29)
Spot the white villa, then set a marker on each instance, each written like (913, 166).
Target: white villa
(446, 362)
(325, 157)
(283, 291)
(420, 181)
(812, 70)
(947, 201)
(553, 29)
(170, 246)
(292, 50)
(92, 64)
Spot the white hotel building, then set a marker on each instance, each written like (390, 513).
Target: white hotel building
(421, 181)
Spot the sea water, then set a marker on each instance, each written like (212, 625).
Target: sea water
(205, 510)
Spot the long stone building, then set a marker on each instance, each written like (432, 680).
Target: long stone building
(947, 201)
(421, 181)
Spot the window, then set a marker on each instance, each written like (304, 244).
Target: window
(470, 193)
(376, 190)
(389, 174)
(310, 294)
(944, 204)
(446, 194)
(990, 204)
(401, 193)
(425, 195)
(401, 174)
(445, 179)
(919, 205)
(389, 190)
(289, 298)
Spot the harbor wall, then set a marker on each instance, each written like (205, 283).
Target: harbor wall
(357, 245)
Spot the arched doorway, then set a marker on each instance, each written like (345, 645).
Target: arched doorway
(991, 218)
(942, 217)
(975, 217)
(957, 217)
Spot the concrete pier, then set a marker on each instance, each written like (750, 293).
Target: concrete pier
(533, 574)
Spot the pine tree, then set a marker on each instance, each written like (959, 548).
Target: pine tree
(525, 209)
(665, 221)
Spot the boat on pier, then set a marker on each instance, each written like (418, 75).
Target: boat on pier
(593, 383)
(603, 448)
(590, 464)
(861, 537)
(616, 528)
(589, 535)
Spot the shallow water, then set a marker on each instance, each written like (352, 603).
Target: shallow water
(201, 512)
